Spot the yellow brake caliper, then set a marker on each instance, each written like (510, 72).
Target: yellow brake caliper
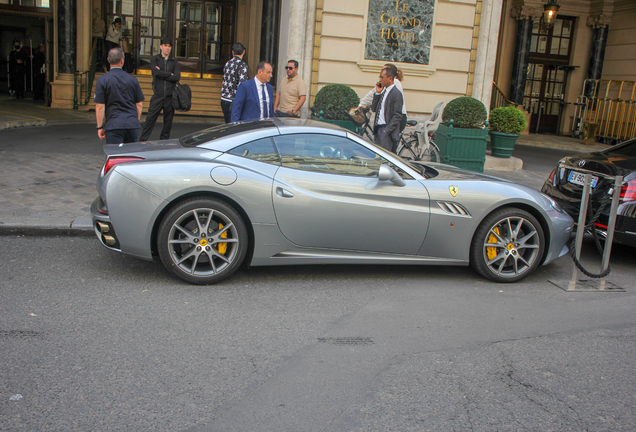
(492, 251)
(222, 247)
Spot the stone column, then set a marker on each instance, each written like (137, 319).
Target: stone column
(269, 35)
(487, 50)
(524, 16)
(296, 41)
(600, 24)
(67, 36)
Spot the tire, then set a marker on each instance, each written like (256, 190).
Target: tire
(404, 150)
(430, 154)
(507, 246)
(202, 259)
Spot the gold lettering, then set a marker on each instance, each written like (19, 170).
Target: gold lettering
(382, 18)
(388, 33)
(394, 21)
(418, 21)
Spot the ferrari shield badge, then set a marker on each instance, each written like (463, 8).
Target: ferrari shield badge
(454, 190)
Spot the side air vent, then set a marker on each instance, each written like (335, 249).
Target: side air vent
(453, 208)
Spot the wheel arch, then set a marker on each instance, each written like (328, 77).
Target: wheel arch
(204, 194)
(538, 215)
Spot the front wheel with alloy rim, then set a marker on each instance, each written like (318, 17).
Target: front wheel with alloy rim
(202, 241)
(507, 246)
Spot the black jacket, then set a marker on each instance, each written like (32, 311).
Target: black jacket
(392, 112)
(164, 78)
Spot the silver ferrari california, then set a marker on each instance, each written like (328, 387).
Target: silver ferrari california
(282, 192)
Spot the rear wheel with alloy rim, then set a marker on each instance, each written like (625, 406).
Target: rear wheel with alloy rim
(406, 150)
(507, 246)
(202, 241)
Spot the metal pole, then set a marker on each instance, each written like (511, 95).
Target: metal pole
(618, 183)
(580, 229)
(31, 45)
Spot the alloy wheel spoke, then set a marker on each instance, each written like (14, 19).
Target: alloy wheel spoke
(187, 255)
(194, 263)
(522, 241)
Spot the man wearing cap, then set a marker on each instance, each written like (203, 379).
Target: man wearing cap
(165, 73)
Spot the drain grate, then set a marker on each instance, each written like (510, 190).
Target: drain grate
(347, 340)
(19, 334)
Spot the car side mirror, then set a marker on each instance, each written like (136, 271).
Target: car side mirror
(386, 173)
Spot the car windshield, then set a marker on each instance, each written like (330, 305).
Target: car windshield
(625, 149)
(207, 135)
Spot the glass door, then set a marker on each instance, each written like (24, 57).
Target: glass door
(219, 20)
(547, 74)
(188, 33)
(203, 37)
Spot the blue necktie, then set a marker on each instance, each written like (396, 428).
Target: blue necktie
(265, 110)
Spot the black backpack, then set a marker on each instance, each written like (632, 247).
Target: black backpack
(182, 97)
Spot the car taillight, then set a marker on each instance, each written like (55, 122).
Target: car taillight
(551, 177)
(628, 191)
(112, 161)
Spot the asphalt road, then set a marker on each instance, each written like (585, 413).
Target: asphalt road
(92, 340)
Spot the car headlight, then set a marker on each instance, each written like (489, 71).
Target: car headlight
(555, 205)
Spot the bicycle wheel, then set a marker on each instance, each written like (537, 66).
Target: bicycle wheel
(406, 149)
(430, 154)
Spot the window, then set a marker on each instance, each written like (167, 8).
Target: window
(330, 154)
(261, 150)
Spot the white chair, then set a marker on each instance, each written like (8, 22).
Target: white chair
(433, 122)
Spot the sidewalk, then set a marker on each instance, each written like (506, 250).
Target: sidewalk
(51, 193)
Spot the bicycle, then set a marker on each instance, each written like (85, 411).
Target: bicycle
(414, 146)
(409, 147)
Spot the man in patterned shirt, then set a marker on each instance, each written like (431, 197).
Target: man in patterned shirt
(234, 73)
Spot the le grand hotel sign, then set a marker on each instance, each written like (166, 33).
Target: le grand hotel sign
(399, 30)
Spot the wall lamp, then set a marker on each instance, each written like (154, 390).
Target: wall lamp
(550, 10)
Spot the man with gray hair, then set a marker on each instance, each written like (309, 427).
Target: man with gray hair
(118, 102)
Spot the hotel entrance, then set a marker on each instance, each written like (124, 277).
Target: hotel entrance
(203, 38)
(202, 32)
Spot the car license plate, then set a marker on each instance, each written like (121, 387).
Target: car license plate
(579, 178)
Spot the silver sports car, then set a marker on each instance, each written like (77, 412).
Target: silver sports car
(281, 192)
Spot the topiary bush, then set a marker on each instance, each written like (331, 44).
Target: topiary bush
(466, 112)
(335, 100)
(507, 120)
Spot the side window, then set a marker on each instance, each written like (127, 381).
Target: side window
(329, 154)
(261, 150)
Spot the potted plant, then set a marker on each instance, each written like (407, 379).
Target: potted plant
(332, 103)
(462, 137)
(506, 124)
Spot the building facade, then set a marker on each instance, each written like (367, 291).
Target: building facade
(445, 48)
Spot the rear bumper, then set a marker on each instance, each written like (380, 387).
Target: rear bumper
(103, 227)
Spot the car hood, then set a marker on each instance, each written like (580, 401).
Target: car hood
(448, 172)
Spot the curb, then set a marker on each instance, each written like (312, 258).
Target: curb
(21, 123)
(36, 227)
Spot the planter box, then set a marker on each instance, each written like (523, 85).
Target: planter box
(463, 148)
(502, 144)
(347, 124)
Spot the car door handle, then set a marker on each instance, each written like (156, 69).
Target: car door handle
(283, 193)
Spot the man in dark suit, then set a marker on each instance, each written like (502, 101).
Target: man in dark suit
(254, 98)
(387, 104)
(118, 102)
(165, 74)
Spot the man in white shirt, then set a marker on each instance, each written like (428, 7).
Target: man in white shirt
(388, 106)
(254, 98)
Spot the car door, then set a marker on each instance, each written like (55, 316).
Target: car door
(327, 195)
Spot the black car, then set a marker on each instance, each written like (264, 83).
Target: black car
(565, 185)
